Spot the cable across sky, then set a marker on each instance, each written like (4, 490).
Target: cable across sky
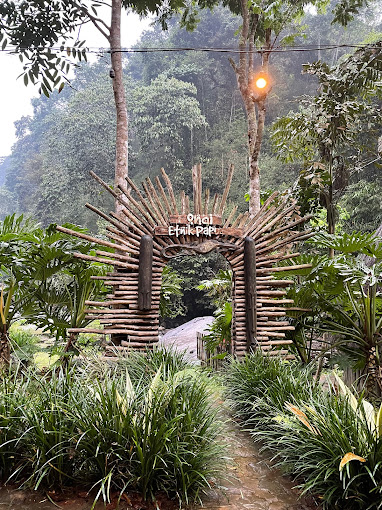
(236, 50)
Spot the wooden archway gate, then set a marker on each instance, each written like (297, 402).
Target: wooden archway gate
(153, 226)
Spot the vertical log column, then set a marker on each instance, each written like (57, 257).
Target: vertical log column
(250, 291)
(145, 278)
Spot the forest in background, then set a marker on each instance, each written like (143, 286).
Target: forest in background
(184, 107)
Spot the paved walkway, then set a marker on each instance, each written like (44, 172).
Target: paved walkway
(183, 338)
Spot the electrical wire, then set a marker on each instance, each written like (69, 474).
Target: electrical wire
(289, 49)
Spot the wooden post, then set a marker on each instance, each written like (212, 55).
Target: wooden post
(250, 291)
(145, 273)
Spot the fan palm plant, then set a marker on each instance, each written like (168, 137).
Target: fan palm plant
(41, 279)
(344, 297)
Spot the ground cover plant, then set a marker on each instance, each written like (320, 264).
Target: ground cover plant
(96, 426)
(326, 438)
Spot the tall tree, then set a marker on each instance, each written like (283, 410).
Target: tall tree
(326, 132)
(265, 24)
(32, 30)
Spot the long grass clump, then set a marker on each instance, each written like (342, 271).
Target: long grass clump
(329, 441)
(111, 431)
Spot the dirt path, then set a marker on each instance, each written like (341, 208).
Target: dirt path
(255, 484)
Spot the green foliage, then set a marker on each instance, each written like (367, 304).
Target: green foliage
(103, 429)
(326, 134)
(258, 379)
(218, 337)
(193, 270)
(50, 25)
(362, 201)
(341, 296)
(165, 114)
(314, 434)
(170, 304)
(41, 279)
(23, 341)
(219, 288)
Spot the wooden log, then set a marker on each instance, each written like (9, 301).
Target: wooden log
(269, 313)
(107, 303)
(276, 353)
(268, 328)
(215, 205)
(288, 240)
(197, 188)
(107, 187)
(231, 215)
(137, 328)
(269, 324)
(181, 219)
(243, 220)
(276, 342)
(275, 301)
(145, 273)
(150, 210)
(132, 204)
(125, 348)
(128, 236)
(226, 189)
(283, 268)
(259, 215)
(187, 204)
(134, 293)
(156, 198)
(136, 223)
(276, 283)
(288, 226)
(105, 261)
(163, 195)
(107, 311)
(150, 197)
(282, 213)
(250, 289)
(206, 201)
(87, 330)
(170, 189)
(90, 238)
(109, 331)
(107, 218)
(118, 256)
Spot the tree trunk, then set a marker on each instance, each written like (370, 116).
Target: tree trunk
(254, 105)
(69, 347)
(330, 217)
(5, 352)
(121, 162)
(373, 376)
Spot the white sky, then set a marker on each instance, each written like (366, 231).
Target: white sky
(15, 97)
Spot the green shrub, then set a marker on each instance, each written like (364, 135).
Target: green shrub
(257, 380)
(330, 443)
(110, 431)
(24, 341)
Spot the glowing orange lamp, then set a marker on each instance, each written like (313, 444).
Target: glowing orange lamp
(261, 84)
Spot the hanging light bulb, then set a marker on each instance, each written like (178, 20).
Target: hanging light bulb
(260, 84)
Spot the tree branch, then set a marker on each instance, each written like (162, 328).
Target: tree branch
(97, 22)
(233, 64)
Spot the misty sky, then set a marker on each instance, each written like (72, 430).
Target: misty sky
(15, 97)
